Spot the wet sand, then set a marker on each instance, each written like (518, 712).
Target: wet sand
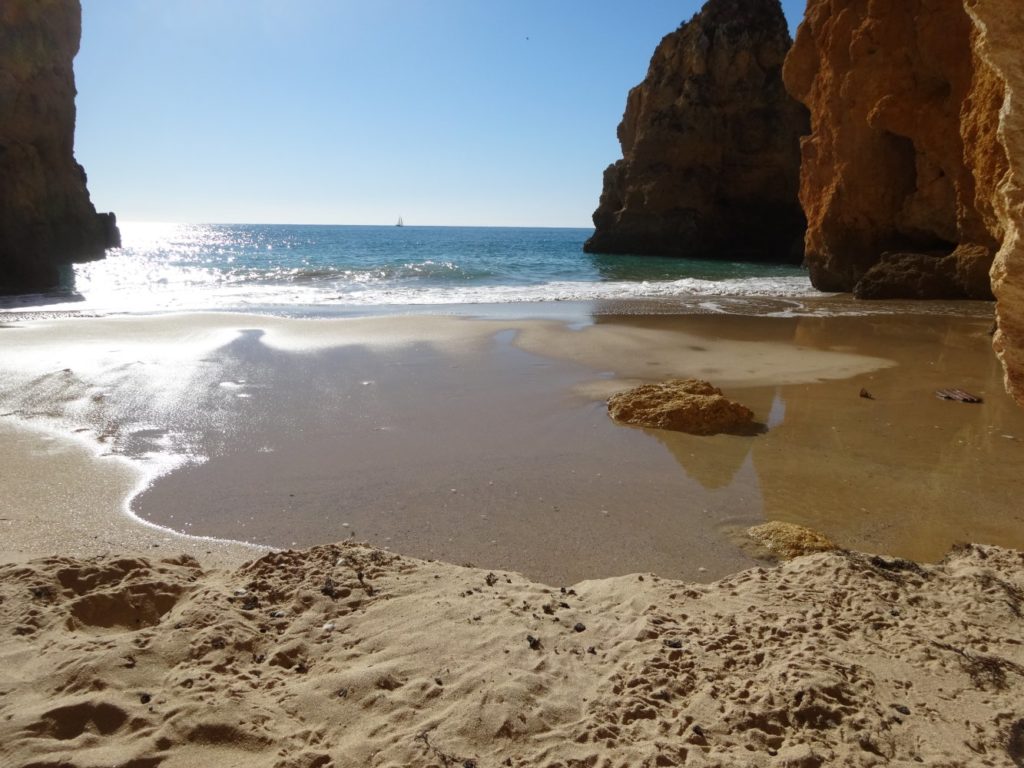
(486, 441)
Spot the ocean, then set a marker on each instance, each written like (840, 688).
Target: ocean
(293, 269)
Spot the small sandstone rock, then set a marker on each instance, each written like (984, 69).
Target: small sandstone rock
(798, 756)
(682, 405)
(787, 540)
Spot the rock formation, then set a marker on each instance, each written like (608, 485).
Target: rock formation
(46, 218)
(710, 145)
(789, 540)
(898, 171)
(681, 405)
(999, 35)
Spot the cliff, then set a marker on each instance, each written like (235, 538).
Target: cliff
(999, 35)
(898, 171)
(710, 145)
(46, 218)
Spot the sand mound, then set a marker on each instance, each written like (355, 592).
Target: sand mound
(349, 656)
(682, 405)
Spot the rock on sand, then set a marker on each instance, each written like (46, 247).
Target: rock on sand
(788, 540)
(682, 405)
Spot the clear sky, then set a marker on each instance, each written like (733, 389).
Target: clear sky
(445, 112)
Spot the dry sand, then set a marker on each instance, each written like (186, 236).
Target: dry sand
(121, 652)
(350, 656)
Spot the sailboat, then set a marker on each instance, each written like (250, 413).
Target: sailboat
(400, 222)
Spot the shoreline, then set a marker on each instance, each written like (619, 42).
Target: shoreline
(567, 310)
(86, 511)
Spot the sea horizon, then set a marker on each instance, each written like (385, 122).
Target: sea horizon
(308, 269)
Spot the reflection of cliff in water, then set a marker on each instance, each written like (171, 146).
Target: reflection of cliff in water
(713, 461)
(903, 473)
(906, 472)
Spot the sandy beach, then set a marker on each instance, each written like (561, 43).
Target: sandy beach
(499, 574)
(349, 656)
(339, 429)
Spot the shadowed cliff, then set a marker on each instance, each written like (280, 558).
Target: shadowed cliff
(710, 145)
(46, 218)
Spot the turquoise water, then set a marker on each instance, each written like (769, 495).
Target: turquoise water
(285, 268)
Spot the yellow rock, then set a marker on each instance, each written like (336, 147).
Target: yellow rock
(683, 405)
(788, 540)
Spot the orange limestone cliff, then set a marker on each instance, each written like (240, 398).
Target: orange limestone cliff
(999, 40)
(46, 218)
(898, 173)
(710, 145)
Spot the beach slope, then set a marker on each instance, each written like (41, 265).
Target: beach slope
(346, 655)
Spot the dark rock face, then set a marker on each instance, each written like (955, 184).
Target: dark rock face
(46, 218)
(710, 145)
(958, 275)
(903, 155)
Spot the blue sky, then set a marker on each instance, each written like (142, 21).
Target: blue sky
(447, 112)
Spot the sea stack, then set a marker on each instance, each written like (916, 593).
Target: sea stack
(47, 221)
(900, 168)
(710, 145)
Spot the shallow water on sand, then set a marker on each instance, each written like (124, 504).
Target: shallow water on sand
(487, 441)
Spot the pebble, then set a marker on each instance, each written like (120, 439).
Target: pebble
(329, 626)
(673, 643)
(580, 627)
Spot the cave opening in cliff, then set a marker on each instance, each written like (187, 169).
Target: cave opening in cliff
(899, 162)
